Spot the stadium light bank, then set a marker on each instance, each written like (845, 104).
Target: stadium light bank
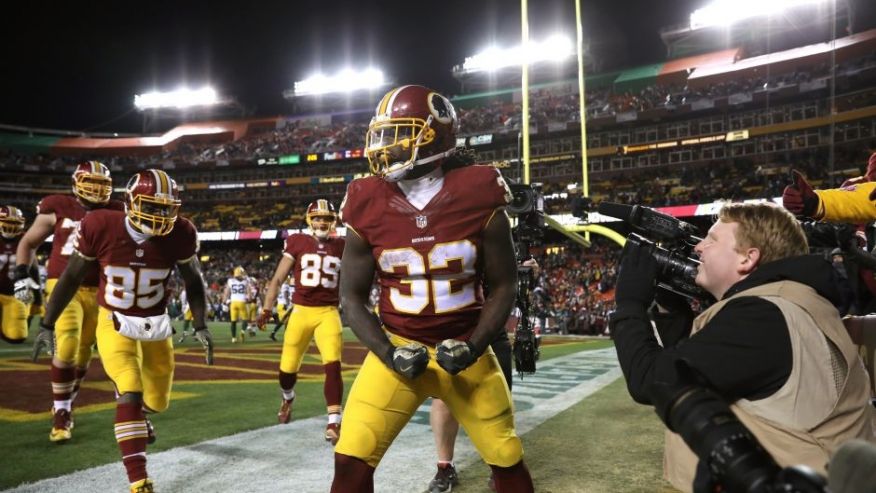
(729, 12)
(345, 81)
(180, 99)
(556, 48)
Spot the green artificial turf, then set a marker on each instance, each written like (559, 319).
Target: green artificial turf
(604, 444)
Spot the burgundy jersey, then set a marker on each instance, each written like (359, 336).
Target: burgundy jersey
(317, 269)
(7, 264)
(429, 262)
(68, 212)
(133, 276)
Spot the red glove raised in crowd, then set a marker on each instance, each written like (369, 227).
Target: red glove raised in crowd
(799, 197)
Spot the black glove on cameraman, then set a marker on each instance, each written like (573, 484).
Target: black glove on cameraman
(634, 291)
(629, 324)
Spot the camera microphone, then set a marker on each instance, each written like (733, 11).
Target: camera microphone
(651, 222)
(621, 211)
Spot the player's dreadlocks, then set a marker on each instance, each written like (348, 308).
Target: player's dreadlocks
(464, 156)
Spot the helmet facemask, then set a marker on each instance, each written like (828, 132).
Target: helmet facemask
(393, 145)
(153, 215)
(92, 187)
(12, 223)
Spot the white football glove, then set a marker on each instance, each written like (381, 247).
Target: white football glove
(24, 289)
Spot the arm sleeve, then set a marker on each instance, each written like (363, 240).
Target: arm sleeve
(848, 205)
(743, 352)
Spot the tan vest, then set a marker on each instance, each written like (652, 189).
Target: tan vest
(812, 414)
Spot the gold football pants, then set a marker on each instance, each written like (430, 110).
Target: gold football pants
(136, 366)
(74, 329)
(14, 318)
(238, 311)
(322, 323)
(381, 402)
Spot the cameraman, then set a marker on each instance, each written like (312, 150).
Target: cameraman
(773, 346)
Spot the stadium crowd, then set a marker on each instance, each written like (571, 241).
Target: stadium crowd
(550, 106)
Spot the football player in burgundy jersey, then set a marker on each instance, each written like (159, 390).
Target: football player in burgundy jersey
(59, 215)
(434, 231)
(315, 262)
(135, 252)
(13, 312)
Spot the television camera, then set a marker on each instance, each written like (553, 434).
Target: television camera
(669, 240)
(527, 205)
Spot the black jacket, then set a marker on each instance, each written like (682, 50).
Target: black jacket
(744, 351)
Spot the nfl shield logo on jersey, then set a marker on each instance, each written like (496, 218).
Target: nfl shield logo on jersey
(139, 252)
(421, 222)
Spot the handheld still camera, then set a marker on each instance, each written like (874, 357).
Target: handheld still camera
(669, 240)
(735, 461)
(527, 205)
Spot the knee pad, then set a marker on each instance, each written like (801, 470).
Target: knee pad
(67, 345)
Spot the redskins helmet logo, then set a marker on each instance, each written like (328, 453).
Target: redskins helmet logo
(440, 107)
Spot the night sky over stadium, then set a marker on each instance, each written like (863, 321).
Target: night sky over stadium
(77, 65)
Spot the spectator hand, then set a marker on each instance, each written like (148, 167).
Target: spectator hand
(204, 336)
(635, 279)
(455, 356)
(799, 197)
(44, 341)
(409, 361)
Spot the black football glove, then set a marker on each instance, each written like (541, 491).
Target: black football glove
(204, 336)
(409, 360)
(24, 285)
(455, 356)
(44, 341)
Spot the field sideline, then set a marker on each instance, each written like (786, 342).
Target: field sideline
(203, 432)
